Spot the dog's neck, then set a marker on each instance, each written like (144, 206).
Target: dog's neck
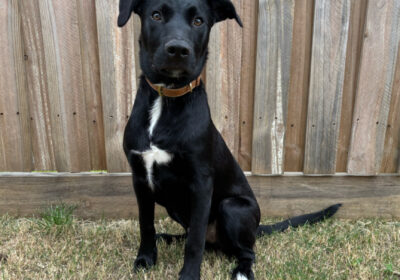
(171, 91)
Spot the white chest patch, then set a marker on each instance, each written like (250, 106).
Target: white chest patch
(154, 154)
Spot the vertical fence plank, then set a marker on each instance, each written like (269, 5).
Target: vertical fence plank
(66, 103)
(396, 122)
(398, 162)
(67, 39)
(223, 79)
(3, 160)
(299, 85)
(391, 153)
(91, 83)
(21, 87)
(14, 123)
(374, 91)
(136, 33)
(331, 22)
(56, 108)
(274, 42)
(118, 79)
(38, 90)
(10, 144)
(215, 85)
(249, 15)
(353, 56)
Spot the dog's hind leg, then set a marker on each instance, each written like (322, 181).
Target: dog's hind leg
(237, 223)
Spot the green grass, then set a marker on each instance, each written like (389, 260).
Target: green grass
(57, 215)
(59, 246)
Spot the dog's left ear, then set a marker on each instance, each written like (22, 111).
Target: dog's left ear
(224, 9)
(126, 7)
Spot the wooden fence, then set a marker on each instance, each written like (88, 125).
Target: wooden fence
(306, 86)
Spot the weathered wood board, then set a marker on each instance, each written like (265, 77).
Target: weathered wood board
(331, 26)
(352, 70)
(55, 96)
(95, 195)
(35, 53)
(65, 24)
(118, 79)
(136, 33)
(15, 143)
(299, 85)
(223, 72)
(249, 15)
(112, 195)
(361, 196)
(274, 42)
(374, 91)
(391, 152)
(91, 82)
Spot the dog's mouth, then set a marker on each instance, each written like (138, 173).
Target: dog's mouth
(174, 72)
(168, 70)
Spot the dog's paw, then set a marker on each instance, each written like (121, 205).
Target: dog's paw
(189, 277)
(144, 262)
(241, 275)
(189, 274)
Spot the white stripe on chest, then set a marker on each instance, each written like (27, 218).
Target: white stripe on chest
(154, 154)
(155, 113)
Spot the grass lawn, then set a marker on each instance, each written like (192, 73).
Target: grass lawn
(58, 246)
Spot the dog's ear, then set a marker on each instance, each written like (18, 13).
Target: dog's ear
(224, 9)
(126, 7)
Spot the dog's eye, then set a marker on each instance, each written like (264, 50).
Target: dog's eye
(198, 21)
(156, 16)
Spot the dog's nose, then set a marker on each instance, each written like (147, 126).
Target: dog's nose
(177, 48)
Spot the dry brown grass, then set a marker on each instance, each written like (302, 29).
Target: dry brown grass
(336, 249)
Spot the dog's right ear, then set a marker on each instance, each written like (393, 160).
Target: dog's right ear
(126, 7)
(224, 9)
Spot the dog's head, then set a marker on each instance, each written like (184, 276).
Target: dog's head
(175, 34)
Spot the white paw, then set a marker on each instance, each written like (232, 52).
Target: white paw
(240, 276)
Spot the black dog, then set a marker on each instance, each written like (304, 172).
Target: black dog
(178, 158)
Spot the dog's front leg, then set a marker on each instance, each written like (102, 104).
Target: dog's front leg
(147, 255)
(200, 203)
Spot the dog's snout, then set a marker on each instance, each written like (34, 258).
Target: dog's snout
(177, 48)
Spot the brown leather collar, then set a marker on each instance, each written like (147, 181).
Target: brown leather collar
(175, 92)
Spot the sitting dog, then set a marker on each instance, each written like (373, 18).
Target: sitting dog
(178, 158)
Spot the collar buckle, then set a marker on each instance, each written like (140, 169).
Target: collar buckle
(160, 91)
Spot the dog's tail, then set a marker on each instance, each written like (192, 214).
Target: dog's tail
(298, 221)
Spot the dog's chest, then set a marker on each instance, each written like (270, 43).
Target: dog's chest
(153, 155)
